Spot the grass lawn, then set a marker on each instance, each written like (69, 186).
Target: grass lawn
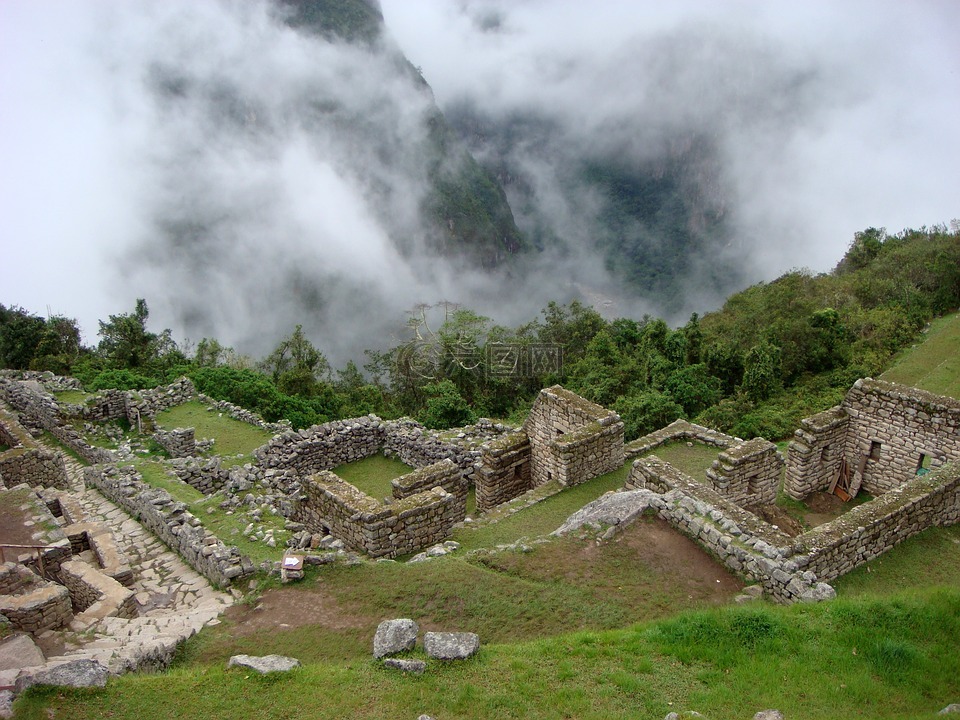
(934, 364)
(235, 440)
(542, 518)
(72, 397)
(693, 460)
(373, 474)
(849, 658)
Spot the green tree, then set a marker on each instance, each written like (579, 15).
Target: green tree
(762, 375)
(20, 334)
(445, 407)
(645, 412)
(297, 366)
(125, 341)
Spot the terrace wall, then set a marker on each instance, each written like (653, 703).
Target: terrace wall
(170, 521)
(331, 505)
(794, 569)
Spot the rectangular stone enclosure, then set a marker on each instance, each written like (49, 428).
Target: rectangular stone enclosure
(884, 432)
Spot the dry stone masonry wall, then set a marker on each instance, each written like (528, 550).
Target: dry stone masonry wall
(748, 473)
(29, 602)
(38, 408)
(331, 505)
(179, 442)
(679, 430)
(885, 432)
(172, 523)
(504, 471)
(795, 569)
(572, 439)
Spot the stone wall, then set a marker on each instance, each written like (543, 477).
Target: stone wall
(37, 407)
(207, 476)
(907, 423)
(679, 430)
(96, 594)
(7, 436)
(172, 523)
(143, 405)
(572, 439)
(869, 530)
(331, 505)
(98, 538)
(792, 569)
(885, 432)
(35, 466)
(29, 602)
(443, 474)
(504, 471)
(743, 542)
(748, 473)
(179, 442)
(324, 447)
(815, 453)
(103, 407)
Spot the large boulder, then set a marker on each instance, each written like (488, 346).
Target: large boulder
(450, 646)
(395, 636)
(77, 673)
(20, 651)
(264, 664)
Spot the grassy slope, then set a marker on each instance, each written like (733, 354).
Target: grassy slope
(235, 440)
(934, 365)
(886, 648)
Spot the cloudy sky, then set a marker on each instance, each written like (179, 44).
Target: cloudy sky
(831, 116)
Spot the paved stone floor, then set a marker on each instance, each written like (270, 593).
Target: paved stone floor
(174, 600)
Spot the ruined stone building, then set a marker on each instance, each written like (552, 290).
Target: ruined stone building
(882, 435)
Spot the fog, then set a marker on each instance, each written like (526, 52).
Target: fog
(244, 177)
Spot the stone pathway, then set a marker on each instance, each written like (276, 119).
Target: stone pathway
(174, 600)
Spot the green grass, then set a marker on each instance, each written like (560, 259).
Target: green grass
(155, 474)
(694, 461)
(235, 440)
(934, 364)
(542, 518)
(228, 527)
(373, 474)
(932, 558)
(72, 397)
(849, 658)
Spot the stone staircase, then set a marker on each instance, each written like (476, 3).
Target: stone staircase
(174, 601)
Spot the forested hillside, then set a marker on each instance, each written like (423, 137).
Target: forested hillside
(771, 355)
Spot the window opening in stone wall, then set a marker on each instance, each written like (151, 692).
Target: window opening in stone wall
(874, 450)
(824, 453)
(923, 465)
(752, 488)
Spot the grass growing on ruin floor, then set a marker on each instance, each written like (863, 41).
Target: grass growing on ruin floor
(372, 475)
(934, 364)
(73, 397)
(235, 440)
(542, 518)
(848, 658)
(692, 460)
(228, 527)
